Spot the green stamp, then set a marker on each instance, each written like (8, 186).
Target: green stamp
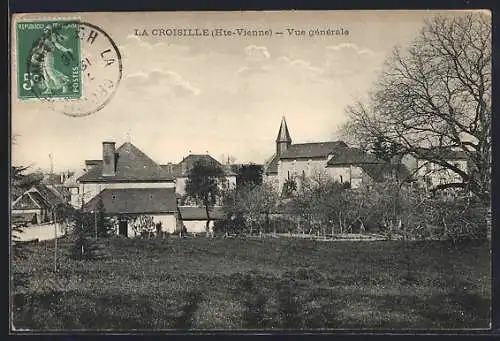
(48, 59)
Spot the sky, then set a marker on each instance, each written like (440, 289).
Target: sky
(222, 95)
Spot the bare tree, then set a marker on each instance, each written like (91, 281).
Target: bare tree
(255, 204)
(435, 96)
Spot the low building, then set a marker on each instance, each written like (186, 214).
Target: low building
(132, 188)
(37, 205)
(431, 174)
(195, 218)
(358, 168)
(180, 171)
(130, 205)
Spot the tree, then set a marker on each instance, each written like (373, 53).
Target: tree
(254, 204)
(434, 97)
(289, 187)
(203, 185)
(17, 176)
(104, 226)
(249, 175)
(83, 246)
(22, 181)
(319, 202)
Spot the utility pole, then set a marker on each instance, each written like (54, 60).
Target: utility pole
(54, 212)
(95, 223)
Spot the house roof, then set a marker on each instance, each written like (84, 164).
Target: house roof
(272, 165)
(135, 201)
(313, 150)
(61, 191)
(199, 213)
(48, 195)
(183, 168)
(350, 156)
(30, 201)
(131, 165)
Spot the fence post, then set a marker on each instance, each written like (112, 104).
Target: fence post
(488, 224)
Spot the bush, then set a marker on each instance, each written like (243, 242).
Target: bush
(392, 209)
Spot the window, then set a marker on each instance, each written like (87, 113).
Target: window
(341, 179)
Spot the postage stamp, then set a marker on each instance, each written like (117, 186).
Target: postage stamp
(48, 54)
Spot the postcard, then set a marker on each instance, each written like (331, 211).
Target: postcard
(251, 171)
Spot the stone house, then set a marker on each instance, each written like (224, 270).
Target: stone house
(131, 185)
(334, 159)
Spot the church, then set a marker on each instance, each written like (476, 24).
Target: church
(334, 159)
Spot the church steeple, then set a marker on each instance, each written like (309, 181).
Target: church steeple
(283, 141)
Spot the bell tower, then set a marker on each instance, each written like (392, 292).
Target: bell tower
(283, 141)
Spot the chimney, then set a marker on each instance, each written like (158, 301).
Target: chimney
(108, 159)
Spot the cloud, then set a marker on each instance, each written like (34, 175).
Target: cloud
(252, 70)
(300, 65)
(350, 48)
(256, 61)
(160, 83)
(347, 59)
(256, 54)
(134, 41)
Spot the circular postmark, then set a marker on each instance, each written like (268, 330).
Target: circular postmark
(75, 71)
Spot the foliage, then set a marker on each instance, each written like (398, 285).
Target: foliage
(249, 176)
(289, 187)
(105, 227)
(203, 185)
(143, 225)
(384, 150)
(319, 202)
(253, 205)
(83, 245)
(22, 181)
(436, 96)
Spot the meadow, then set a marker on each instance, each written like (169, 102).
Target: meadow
(268, 283)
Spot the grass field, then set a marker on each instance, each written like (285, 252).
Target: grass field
(270, 283)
